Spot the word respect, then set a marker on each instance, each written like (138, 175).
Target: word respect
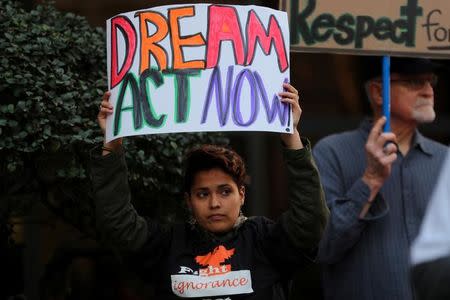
(348, 29)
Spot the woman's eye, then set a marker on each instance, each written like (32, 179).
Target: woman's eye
(202, 194)
(226, 192)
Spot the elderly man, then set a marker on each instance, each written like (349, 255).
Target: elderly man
(377, 187)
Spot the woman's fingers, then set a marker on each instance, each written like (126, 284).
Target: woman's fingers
(105, 106)
(289, 95)
(290, 100)
(289, 92)
(105, 109)
(290, 88)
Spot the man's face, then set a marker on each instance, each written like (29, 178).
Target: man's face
(412, 97)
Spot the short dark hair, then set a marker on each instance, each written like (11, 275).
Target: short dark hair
(207, 157)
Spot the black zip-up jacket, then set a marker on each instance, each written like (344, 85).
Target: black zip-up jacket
(253, 261)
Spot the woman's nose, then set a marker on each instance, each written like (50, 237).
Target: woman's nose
(214, 201)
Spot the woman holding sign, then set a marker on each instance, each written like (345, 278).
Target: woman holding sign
(220, 253)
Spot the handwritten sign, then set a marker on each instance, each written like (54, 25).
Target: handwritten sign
(384, 27)
(203, 67)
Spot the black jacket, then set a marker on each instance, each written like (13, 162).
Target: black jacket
(254, 261)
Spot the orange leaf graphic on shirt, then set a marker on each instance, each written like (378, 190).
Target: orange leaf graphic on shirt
(215, 258)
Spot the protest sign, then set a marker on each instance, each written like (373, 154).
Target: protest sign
(382, 27)
(202, 67)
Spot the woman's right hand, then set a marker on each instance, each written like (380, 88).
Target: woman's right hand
(105, 110)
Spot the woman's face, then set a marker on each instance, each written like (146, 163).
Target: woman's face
(215, 200)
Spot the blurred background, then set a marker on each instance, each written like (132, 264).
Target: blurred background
(45, 255)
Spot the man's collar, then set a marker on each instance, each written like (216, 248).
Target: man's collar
(421, 143)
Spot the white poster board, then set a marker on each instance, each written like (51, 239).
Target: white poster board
(196, 68)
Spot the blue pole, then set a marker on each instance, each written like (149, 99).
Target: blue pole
(387, 92)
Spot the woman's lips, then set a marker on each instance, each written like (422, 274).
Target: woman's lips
(216, 217)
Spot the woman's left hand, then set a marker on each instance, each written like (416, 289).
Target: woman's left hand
(290, 96)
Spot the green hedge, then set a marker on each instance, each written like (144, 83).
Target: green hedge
(52, 77)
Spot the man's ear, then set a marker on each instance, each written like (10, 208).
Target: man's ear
(187, 199)
(375, 92)
(242, 194)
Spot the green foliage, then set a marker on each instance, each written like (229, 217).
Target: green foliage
(52, 73)
(52, 77)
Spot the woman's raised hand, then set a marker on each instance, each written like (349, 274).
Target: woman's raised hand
(290, 96)
(105, 110)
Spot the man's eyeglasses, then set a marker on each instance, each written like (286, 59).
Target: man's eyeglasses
(417, 83)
